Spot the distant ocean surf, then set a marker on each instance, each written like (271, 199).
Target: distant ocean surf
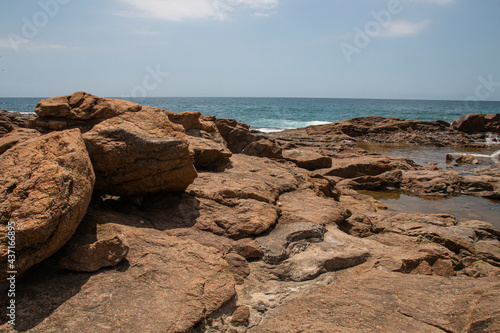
(275, 114)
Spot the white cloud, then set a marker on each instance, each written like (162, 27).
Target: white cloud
(400, 28)
(29, 45)
(179, 10)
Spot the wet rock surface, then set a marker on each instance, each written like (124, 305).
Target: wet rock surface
(252, 240)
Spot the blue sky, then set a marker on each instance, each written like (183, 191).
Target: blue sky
(407, 49)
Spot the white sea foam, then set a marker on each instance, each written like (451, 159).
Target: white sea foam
(275, 125)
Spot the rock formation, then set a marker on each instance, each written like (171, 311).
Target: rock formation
(45, 188)
(138, 153)
(199, 225)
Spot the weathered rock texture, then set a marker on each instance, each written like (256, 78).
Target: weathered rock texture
(240, 140)
(92, 257)
(11, 120)
(478, 122)
(138, 153)
(256, 243)
(16, 136)
(165, 284)
(383, 130)
(78, 109)
(45, 188)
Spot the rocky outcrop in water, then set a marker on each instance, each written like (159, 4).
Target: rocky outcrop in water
(199, 225)
(478, 122)
(385, 130)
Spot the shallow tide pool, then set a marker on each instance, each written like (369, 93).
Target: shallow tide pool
(464, 208)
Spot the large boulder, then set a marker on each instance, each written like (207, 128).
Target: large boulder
(45, 189)
(79, 109)
(138, 153)
(472, 122)
(84, 106)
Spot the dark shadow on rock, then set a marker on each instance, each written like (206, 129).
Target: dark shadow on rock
(46, 286)
(162, 211)
(41, 290)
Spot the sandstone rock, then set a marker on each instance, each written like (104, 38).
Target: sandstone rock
(248, 248)
(5, 125)
(454, 238)
(263, 147)
(223, 244)
(489, 250)
(237, 135)
(248, 217)
(283, 241)
(83, 106)
(10, 120)
(307, 160)
(139, 153)
(492, 122)
(164, 282)
(248, 178)
(206, 143)
(466, 159)
(383, 130)
(208, 154)
(241, 316)
(16, 136)
(92, 257)
(472, 122)
(331, 255)
(371, 165)
(240, 140)
(306, 206)
(45, 189)
(389, 179)
(238, 266)
(432, 182)
(391, 302)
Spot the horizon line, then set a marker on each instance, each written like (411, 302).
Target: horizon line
(262, 97)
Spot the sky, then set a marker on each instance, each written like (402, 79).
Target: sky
(398, 49)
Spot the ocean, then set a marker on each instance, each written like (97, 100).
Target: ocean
(273, 114)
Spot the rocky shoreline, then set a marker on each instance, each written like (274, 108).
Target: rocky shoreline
(136, 219)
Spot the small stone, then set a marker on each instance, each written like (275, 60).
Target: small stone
(92, 257)
(443, 267)
(241, 316)
(424, 268)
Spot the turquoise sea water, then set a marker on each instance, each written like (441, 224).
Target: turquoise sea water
(280, 113)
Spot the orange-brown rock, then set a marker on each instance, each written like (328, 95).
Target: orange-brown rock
(45, 189)
(138, 153)
(92, 257)
(164, 283)
(83, 106)
(383, 130)
(240, 140)
(391, 302)
(16, 136)
(307, 159)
